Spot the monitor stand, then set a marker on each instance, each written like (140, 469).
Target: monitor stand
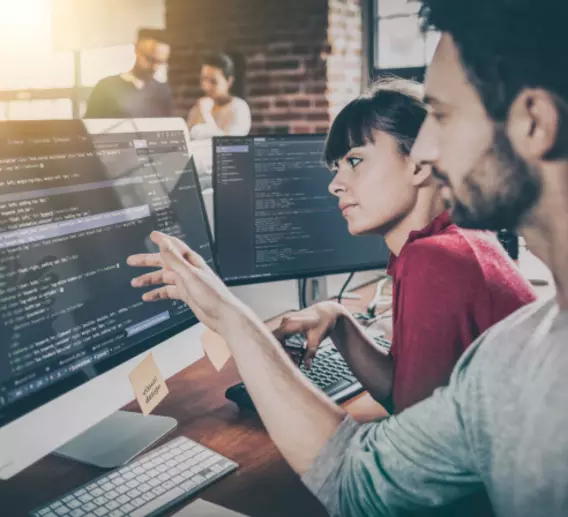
(117, 439)
(316, 291)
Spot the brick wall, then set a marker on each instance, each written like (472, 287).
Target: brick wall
(302, 58)
(344, 64)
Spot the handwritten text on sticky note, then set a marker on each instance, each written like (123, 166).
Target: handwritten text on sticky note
(148, 385)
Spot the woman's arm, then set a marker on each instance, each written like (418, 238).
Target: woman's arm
(372, 366)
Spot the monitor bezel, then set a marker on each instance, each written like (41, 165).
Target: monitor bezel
(312, 273)
(31, 402)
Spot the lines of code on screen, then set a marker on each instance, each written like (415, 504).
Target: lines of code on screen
(73, 207)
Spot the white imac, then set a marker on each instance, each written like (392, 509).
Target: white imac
(76, 198)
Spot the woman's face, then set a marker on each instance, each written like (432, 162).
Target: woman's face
(374, 186)
(214, 83)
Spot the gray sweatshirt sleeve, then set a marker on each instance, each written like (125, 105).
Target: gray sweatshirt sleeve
(418, 459)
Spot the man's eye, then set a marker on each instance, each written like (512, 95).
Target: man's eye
(353, 162)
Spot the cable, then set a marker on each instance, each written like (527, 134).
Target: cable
(372, 307)
(340, 295)
(303, 300)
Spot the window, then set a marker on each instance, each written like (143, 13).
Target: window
(40, 83)
(39, 109)
(398, 46)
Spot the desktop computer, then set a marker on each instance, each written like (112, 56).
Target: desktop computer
(275, 219)
(76, 199)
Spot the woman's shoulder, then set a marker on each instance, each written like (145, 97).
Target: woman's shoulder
(450, 251)
(239, 104)
(448, 245)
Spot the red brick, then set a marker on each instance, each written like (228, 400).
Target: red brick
(288, 64)
(315, 87)
(317, 117)
(302, 103)
(301, 129)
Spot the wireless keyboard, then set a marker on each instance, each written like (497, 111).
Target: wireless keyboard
(329, 372)
(146, 486)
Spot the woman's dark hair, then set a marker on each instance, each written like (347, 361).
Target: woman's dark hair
(221, 61)
(392, 105)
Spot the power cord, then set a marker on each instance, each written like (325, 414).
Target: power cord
(372, 308)
(370, 315)
(303, 286)
(342, 290)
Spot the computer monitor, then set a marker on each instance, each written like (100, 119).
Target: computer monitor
(274, 216)
(76, 199)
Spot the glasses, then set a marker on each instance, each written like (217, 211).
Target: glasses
(153, 61)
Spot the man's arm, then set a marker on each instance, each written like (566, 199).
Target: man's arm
(413, 460)
(421, 458)
(299, 418)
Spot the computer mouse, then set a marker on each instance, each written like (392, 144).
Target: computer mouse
(240, 396)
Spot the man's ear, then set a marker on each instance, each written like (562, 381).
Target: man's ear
(421, 173)
(533, 124)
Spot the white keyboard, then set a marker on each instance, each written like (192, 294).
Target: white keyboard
(146, 486)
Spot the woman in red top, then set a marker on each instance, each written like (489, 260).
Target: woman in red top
(449, 284)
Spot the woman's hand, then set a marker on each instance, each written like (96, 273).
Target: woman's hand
(186, 277)
(316, 323)
(206, 105)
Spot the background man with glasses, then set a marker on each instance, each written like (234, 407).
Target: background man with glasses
(136, 93)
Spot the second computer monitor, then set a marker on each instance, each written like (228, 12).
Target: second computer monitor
(274, 216)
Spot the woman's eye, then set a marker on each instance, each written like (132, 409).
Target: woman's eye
(353, 162)
(438, 117)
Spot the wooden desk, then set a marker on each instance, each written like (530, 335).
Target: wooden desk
(263, 486)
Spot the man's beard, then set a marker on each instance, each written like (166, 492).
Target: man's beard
(513, 190)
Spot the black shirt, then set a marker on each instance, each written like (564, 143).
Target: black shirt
(115, 97)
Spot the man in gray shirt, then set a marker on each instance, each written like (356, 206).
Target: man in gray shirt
(495, 137)
(136, 93)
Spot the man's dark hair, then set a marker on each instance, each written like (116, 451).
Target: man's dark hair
(506, 45)
(392, 105)
(154, 34)
(222, 61)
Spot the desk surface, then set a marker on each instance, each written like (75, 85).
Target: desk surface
(263, 486)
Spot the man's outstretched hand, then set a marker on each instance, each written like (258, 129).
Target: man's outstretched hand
(183, 275)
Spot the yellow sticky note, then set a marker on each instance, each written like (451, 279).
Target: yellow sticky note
(148, 385)
(216, 349)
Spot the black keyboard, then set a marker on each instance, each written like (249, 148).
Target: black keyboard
(329, 372)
